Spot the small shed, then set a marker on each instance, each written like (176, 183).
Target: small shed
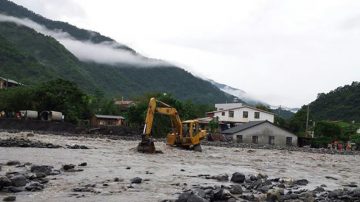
(7, 83)
(106, 120)
(261, 132)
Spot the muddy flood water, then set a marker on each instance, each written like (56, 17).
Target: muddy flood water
(165, 175)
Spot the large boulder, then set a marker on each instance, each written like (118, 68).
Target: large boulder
(18, 180)
(43, 169)
(4, 182)
(136, 180)
(34, 186)
(238, 177)
(236, 189)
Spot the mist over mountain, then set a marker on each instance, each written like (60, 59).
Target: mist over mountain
(35, 49)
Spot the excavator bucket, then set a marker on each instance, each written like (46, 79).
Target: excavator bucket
(146, 146)
(197, 148)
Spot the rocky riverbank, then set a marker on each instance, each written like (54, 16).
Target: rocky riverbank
(261, 188)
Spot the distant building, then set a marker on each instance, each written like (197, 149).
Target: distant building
(106, 120)
(261, 132)
(236, 113)
(124, 104)
(8, 83)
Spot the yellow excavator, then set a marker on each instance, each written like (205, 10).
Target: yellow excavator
(185, 134)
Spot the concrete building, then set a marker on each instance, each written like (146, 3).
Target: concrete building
(8, 83)
(106, 120)
(240, 114)
(261, 132)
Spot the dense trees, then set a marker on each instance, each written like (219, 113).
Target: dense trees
(57, 95)
(342, 103)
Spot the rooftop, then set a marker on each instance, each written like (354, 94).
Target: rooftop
(108, 116)
(243, 127)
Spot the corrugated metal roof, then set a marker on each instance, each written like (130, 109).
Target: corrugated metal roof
(10, 81)
(108, 116)
(243, 127)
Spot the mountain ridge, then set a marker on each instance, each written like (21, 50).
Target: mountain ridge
(52, 60)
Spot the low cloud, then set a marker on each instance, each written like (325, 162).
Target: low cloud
(87, 51)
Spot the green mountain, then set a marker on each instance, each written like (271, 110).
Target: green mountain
(31, 57)
(342, 103)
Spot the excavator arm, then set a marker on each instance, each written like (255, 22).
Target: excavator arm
(189, 138)
(147, 145)
(164, 109)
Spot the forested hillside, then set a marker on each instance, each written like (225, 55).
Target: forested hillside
(342, 103)
(31, 57)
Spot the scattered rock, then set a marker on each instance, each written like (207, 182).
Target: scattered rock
(273, 195)
(83, 164)
(13, 163)
(77, 146)
(182, 170)
(68, 167)
(30, 135)
(44, 169)
(253, 178)
(236, 189)
(18, 180)
(318, 189)
(128, 168)
(34, 186)
(350, 185)
(221, 177)
(332, 178)
(13, 189)
(301, 182)
(4, 182)
(10, 198)
(22, 142)
(238, 177)
(136, 180)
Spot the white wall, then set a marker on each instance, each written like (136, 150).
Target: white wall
(238, 115)
(225, 106)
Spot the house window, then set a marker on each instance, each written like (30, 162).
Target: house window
(222, 113)
(255, 139)
(289, 141)
(231, 113)
(245, 114)
(271, 140)
(257, 115)
(239, 138)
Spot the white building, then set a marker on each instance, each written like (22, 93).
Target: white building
(240, 113)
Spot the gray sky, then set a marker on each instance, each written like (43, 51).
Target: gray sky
(281, 52)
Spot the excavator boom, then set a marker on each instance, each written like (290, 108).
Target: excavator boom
(177, 137)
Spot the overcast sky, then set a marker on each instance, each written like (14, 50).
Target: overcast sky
(281, 52)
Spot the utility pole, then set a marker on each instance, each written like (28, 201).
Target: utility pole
(307, 120)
